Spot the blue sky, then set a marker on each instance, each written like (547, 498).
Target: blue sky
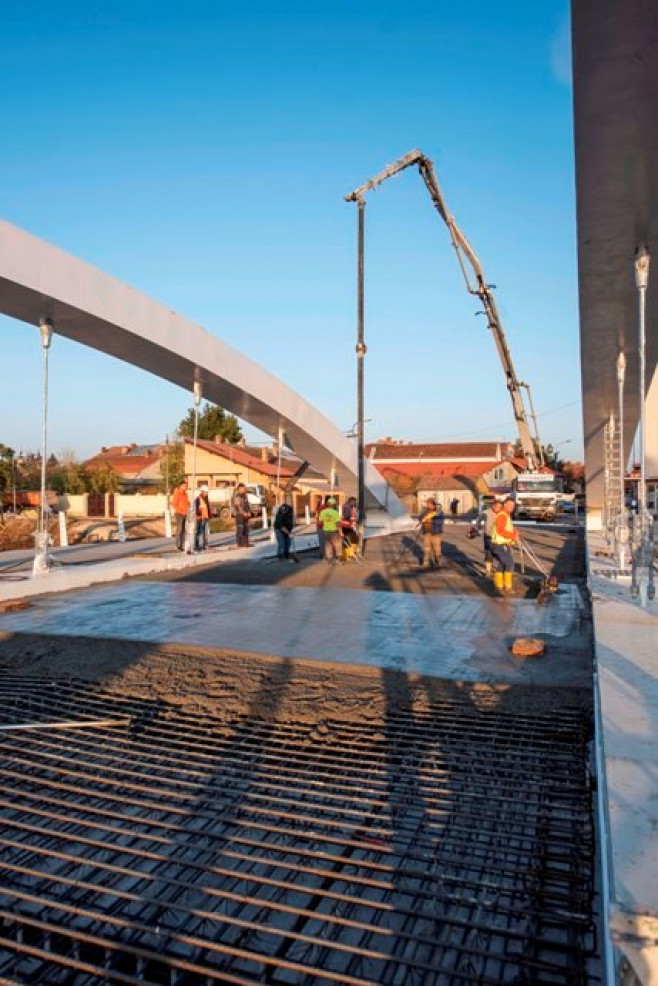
(200, 151)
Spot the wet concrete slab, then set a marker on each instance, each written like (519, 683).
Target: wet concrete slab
(459, 637)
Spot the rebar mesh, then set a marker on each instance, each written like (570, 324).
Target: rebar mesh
(443, 848)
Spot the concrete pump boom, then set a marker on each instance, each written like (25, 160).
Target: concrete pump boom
(477, 287)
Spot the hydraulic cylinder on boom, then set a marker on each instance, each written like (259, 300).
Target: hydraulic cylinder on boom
(475, 283)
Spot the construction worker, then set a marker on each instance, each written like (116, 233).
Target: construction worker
(202, 511)
(330, 520)
(503, 537)
(431, 522)
(180, 501)
(490, 515)
(349, 522)
(242, 513)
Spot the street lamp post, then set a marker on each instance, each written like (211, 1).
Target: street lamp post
(41, 562)
(353, 432)
(622, 531)
(641, 281)
(642, 583)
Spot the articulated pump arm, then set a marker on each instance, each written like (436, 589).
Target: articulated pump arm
(476, 286)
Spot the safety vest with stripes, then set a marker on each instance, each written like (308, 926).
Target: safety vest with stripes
(503, 532)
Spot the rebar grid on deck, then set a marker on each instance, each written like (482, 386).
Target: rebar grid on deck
(448, 847)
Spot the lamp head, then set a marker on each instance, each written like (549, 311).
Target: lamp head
(641, 265)
(46, 331)
(621, 367)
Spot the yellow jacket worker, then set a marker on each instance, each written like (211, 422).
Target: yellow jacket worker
(503, 537)
(330, 520)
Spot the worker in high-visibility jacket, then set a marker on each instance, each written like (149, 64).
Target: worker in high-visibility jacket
(503, 538)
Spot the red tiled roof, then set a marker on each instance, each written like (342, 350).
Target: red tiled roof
(436, 469)
(451, 483)
(123, 465)
(460, 451)
(239, 455)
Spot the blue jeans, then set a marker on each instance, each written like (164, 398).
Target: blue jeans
(282, 544)
(201, 534)
(503, 556)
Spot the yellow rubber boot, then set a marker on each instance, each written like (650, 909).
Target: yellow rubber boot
(498, 581)
(508, 581)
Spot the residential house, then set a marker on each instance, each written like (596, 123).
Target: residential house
(446, 471)
(220, 464)
(137, 467)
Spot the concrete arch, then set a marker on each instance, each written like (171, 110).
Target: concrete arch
(38, 280)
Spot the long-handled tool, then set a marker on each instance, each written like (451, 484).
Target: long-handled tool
(405, 546)
(550, 582)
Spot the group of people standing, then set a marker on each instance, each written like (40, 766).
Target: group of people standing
(499, 534)
(180, 501)
(335, 527)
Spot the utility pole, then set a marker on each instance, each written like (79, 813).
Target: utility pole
(190, 538)
(622, 532)
(167, 469)
(361, 350)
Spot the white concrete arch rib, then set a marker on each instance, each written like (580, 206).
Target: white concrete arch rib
(38, 280)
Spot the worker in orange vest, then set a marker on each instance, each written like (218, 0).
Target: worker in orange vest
(180, 501)
(503, 538)
(202, 510)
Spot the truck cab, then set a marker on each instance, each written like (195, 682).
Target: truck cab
(536, 495)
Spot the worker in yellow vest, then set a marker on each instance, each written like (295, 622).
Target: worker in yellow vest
(503, 538)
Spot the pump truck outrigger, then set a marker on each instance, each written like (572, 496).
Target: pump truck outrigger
(478, 286)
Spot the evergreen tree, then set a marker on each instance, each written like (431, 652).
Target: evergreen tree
(213, 422)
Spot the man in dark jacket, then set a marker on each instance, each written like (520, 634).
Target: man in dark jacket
(242, 514)
(349, 521)
(431, 522)
(284, 522)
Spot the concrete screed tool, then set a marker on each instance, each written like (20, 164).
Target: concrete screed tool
(550, 583)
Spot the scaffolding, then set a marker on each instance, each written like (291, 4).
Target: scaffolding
(613, 480)
(158, 846)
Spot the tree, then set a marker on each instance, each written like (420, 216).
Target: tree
(68, 476)
(28, 471)
(6, 462)
(172, 466)
(103, 480)
(213, 422)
